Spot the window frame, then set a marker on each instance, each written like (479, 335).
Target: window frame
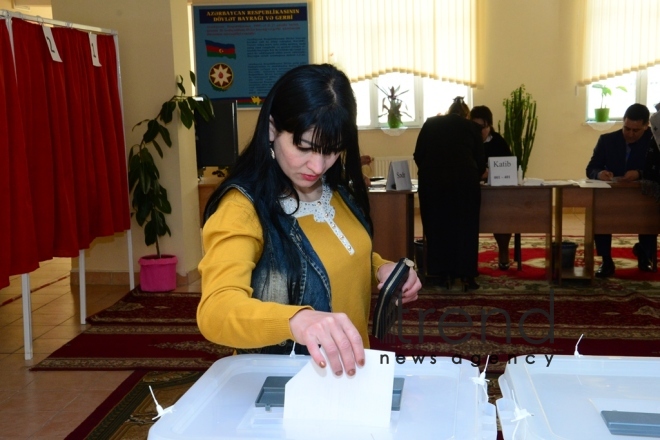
(376, 97)
(641, 96)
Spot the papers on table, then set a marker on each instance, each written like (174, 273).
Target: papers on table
(590, 183)
(559, 182)
(316, 394)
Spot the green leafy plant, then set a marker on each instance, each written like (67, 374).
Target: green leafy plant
(606, 91)
(520, 124)
(149, 198)
(392, 106)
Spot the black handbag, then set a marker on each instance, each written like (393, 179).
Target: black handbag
(389, 297)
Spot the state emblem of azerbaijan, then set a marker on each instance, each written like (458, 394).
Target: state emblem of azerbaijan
(221, 76)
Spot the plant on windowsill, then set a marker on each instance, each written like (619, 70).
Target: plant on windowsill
(149, 200)
(392, 105)
(520, 124)
(602, 114)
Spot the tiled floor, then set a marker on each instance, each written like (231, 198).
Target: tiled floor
(49, 405)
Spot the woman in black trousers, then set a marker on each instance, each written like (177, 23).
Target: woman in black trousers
(450, 158)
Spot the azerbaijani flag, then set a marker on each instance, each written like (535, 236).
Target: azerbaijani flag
(214, 49)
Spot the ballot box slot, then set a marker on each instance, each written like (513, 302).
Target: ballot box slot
(271, 394)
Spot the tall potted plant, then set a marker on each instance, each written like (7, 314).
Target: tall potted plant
(149, 198)
(602, 114)
(520, 125)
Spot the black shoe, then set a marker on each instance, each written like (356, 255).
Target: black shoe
(469, 284)
(606, 269)
(643, 262)
(503, 266)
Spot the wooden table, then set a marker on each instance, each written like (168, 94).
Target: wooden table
(393, 217)
(621, 209)
(519, 210)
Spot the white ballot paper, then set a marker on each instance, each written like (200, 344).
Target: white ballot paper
(365, 399)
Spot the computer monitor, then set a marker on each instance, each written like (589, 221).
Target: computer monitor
(216, 140)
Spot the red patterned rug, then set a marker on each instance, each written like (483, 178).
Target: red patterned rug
(618, 316)
(533, 256)
(143, 331)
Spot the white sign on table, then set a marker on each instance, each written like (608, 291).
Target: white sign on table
(503, 171)
(398, 177)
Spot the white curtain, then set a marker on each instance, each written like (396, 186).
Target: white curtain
(367, 38)
(619, 36)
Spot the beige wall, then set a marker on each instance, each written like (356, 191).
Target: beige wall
(523, 41)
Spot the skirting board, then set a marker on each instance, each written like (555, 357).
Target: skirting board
(120, 278)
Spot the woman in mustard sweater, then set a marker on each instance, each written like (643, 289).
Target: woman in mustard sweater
(288, 234)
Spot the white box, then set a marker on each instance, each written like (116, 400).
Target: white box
(565, 399)
(439, 401)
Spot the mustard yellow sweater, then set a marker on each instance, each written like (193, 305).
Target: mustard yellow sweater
(233, 242)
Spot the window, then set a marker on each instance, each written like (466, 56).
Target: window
(425, 97)
(642, 87)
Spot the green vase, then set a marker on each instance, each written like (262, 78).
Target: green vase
(602, 114)
(394, 120)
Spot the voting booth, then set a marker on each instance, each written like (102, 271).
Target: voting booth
(581, 397)
(438, 399)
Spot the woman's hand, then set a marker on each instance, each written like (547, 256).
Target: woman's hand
(339, 338)
(410, 287)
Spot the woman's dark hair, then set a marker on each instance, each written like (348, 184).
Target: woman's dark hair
(459, 107)
(309, 97)
(482, 112)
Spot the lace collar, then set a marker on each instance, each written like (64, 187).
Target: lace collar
(321, 209)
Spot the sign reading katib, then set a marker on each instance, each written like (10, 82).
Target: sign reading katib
(503, 171)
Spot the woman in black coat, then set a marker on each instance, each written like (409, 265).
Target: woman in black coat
(494, 146)
(450, 158)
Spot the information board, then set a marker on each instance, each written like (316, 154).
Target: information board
(240, 51)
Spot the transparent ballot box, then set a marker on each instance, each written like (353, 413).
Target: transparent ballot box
(581, 397)
(439, 400)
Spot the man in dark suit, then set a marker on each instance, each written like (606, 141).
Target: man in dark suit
(622, 155)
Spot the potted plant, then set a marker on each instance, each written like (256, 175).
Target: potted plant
(392, 106)
(520, 125)
(149, 200)
(602, 114)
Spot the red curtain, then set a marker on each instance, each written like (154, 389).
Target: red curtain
(17, 232)
(72, 135)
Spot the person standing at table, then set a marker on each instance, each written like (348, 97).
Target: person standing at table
(494, 146)
(450, 159)
(288, 234)
(621, 155)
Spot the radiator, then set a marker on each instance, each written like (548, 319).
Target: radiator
(381, 165)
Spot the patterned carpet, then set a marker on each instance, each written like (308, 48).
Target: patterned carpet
(617, 316)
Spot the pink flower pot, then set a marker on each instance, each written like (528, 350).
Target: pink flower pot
(158, 274)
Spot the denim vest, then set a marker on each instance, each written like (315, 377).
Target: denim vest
(269, 280)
